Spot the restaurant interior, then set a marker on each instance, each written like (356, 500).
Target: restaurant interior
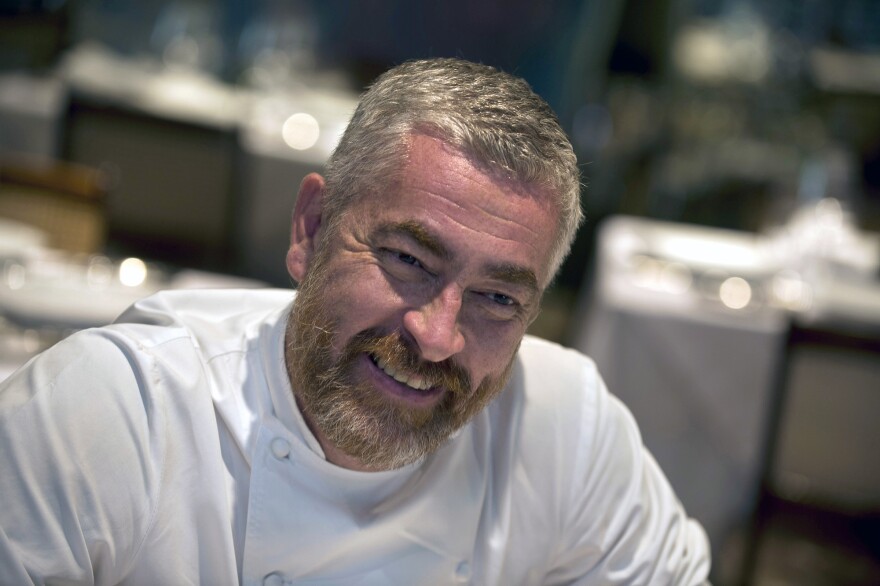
(726, 281)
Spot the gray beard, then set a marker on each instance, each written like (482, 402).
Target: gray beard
(355, 417)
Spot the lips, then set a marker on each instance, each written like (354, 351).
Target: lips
(410, 379)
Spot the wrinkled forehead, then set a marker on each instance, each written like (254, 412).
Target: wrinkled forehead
(405, 159)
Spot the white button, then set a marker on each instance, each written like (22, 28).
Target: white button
(273, 579)
(280, 448)
(463, 572)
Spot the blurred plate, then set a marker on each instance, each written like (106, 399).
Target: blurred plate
(63, 292)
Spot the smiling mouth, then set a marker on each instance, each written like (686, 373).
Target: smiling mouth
(413, 381)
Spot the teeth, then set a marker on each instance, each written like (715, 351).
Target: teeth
(413, 381)
(389, 370)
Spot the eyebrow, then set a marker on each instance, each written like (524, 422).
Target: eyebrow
(419, 234)
(507, 272)
(515, 275)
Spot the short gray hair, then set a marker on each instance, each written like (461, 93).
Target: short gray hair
(489, 115)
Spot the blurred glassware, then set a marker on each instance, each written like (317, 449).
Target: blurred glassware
(186, 35)
(736, 47)
(277, 47)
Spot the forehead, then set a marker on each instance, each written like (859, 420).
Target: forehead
(441, 188)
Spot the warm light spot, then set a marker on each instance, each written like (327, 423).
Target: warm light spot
(132, 272)
(300, 131)
(735, 292)
(791, 291)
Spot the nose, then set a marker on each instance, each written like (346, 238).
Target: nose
(434, 326)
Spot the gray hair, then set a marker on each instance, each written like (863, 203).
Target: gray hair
(491, 116)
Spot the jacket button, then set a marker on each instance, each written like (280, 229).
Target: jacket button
(273, 579)
(280, 448)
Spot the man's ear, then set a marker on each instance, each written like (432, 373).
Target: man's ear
(306, 225)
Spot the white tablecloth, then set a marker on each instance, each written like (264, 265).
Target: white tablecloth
(698, 376)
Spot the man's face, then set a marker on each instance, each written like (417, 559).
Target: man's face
(410, 312)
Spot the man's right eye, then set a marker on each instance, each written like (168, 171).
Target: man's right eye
(408, 259)
(402, 260)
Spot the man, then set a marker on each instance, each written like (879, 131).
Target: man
(388, 425)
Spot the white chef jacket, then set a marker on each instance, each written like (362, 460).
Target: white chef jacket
(168, 449)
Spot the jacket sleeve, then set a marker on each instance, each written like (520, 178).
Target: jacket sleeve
(621, 521)
(80, 463)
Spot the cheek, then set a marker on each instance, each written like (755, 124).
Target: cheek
(491, 351)
(360, 297)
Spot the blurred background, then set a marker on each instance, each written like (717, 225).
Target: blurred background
(727, 280)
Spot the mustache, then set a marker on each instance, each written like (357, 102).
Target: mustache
(399, 354)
